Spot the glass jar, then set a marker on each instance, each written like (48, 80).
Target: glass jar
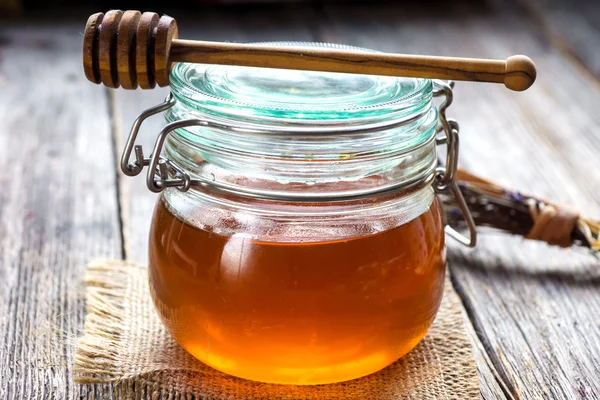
(297, 238)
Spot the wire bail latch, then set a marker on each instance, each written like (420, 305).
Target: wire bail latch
(445, 174)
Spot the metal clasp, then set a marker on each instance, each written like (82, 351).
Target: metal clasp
(445, 174)
(161, 169)
(133, 168)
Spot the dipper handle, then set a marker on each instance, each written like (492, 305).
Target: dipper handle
(130, 48)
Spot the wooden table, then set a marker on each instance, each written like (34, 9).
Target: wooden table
(533, 311)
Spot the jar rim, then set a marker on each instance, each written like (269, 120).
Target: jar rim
(264, 96)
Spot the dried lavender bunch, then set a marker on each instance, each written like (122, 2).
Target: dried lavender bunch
(513, 212)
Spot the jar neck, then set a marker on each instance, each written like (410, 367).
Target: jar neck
(316, 160)
(314, 222)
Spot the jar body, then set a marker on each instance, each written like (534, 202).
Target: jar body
(288, 296)
(306, 245)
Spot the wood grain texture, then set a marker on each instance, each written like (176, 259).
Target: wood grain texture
(107, 48)
(166, 31)
(126, 38)
(517, 72)
(91, 66)
(116, 44)
(144, 68)
(572, 25)
(58, 205)
(535, 308)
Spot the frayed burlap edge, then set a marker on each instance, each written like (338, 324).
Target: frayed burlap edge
(441, 367)
(98, 350)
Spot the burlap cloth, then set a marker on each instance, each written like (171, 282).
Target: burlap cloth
(125, 343)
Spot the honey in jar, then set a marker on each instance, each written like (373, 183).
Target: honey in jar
(306, 244)
(293, 308)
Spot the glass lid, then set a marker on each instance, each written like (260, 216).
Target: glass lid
(290, 97)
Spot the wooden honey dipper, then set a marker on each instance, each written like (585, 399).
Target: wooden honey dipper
(130, 48)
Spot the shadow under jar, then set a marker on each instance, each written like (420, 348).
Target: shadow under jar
(311, 248)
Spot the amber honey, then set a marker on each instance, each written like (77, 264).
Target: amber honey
(297, 312)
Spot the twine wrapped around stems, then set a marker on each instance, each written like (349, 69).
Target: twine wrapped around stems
(514, 212)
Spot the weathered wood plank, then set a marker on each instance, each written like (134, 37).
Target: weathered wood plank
(535, 308)
(58, 205)
(248, 24)
(573, 26)
(491, 384)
